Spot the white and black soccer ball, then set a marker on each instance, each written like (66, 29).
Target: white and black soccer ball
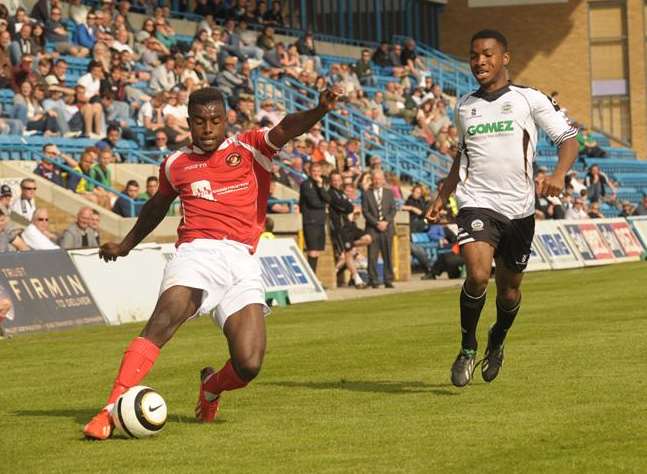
(140, 412)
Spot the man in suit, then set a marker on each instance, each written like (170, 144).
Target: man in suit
(378, 207)
(312, 202)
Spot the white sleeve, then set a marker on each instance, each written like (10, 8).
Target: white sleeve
(550, 118)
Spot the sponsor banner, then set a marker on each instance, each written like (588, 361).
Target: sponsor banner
(42, 290)
(589, 242)
(126, 290)
(639, 225)
(537, 261)
(557, 249)
(620, 238)
(285, 268)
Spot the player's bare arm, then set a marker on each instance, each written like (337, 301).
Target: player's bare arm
(298, 123)
(554, 183)
(152, 213)
(448, 187)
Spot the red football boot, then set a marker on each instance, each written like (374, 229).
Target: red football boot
(206, 410)
(100, 427)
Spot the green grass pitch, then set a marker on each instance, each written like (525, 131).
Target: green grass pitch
(360, 386)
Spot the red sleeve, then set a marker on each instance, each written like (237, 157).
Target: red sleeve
(165, 187)
(259, 139)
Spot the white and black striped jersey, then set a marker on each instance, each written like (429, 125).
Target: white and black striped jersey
(498, 140)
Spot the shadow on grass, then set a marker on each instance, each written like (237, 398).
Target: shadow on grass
(83, 415)
(374, 386)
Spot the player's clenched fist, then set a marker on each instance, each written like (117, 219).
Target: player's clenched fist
(110, 251)
(328, 98)
(552, 185)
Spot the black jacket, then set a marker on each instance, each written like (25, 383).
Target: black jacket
(340, 207)
(312, 202)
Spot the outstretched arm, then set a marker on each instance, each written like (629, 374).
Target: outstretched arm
(298, 123)
(151, 215)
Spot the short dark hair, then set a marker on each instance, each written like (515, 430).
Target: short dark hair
(491, 34)
(205, 95)
(112, 127)
(132, 182)
(150, 179)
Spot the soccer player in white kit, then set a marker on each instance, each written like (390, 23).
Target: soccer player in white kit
(492, 176)
(223, 186)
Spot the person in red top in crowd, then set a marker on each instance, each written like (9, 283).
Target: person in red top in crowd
(223, 186)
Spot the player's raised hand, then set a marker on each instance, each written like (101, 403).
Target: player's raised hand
(552, 185)
(328, 98)
(433, 213)
(110, 251)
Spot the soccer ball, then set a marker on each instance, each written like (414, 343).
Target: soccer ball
(140, 412)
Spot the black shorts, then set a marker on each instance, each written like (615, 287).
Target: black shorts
(349, 234)
(315, 236)
(511, 238)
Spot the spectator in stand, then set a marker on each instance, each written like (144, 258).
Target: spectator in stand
(381, 56)
(152, 185)
(163, 76)
(91, 113)
(31, 113)
(78, 183)
(56, 34)
(239, 43)
(274, 17)
(25, 205)
(577, 211)
(23, 44)
(546, 207)
(279, 175)
(87, 31)
(268, 110)
(6, 70)
(395, 55)
(266, 39)
(312, 204)
(37, 234)
(95, 225)
(378, 207)
(100, 172)
(416, 206)
(47, 170)
(274, 206)
(41, 10)
(306, 48)
(161, 144)
(627, 209)
(92, 80)
(353, 159)
(123, 206)
(5, 199)
(364, 70)
(598, 185)
(641, 210)
(594, 211)
(10, 239)
(80, 235)
(230, 81)
(590, 144)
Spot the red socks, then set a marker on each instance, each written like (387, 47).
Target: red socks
(138, 359)
(225, 379)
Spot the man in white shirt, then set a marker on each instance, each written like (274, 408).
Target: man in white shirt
(492, 176)
(577, 211)
(37, 235)
(26, 203)
(163, 76)
(92, 79)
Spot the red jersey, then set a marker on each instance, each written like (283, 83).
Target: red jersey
(223, 194)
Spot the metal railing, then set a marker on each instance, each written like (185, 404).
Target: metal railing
(336, 125)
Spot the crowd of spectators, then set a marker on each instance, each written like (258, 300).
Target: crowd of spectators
(143, 77)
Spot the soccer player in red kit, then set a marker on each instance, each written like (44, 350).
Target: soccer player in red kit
(223, 186)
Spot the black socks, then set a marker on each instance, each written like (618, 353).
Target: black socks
(504, 319)
(470, 312)
(312, 261)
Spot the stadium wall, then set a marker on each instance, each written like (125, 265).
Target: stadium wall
(550, 46)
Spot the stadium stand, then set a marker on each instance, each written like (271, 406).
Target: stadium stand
(150, 62)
